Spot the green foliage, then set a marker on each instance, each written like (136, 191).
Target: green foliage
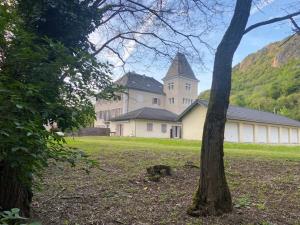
(261, 206)
(13, 217)
(205, 95)
(47, 78)
(269, 80)
(243, 202)
(73, 19)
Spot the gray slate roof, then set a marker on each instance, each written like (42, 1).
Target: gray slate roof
(140, 82)
(245, 114)
(149, 114)
(180, 67)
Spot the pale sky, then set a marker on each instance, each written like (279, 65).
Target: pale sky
(251, 42)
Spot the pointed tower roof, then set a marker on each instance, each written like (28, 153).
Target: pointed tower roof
(180, 67)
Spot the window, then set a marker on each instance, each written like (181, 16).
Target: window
(156, 101)
(119, 112)
(171, 100)
(170, 86)
(164, 128)
(149, 126)
(112, 112)
(116, 112)
(100, 115)
(106, 115)
(187, 101)
(187, 87)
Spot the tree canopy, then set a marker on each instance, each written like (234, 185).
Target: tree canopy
(47, 78)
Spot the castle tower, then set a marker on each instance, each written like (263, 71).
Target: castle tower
(180, 85)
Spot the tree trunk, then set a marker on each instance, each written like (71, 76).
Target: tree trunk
(13, 194)
(213, 195)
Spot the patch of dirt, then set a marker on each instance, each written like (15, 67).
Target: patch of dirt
(264, 192)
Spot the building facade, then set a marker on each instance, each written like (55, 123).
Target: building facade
(147, 122)
(172, 109)
(178, 90)
(243, 125)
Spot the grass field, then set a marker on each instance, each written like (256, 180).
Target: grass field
(264, 182)
(258, 151)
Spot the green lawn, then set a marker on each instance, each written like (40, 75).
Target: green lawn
(96, 144)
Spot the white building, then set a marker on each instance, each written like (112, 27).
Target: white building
(170, 109)
(243, 125)
(178, 90)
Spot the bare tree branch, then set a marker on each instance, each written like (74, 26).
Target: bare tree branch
(274, 20)
(129, 26)
(297, 28)
(116, 53)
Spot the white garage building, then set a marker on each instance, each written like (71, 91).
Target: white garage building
(243, 125)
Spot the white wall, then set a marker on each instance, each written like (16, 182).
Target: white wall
(294, 136)
(179, 92)
(261, 134)
(138, 128)
(273, 135)
(130, 101)
(193, 123)
(284, 135)
(231, 132)
(240, 131)
(139, 99)
(128, 127)
(104, 105)
(247, 133)
(141, 129)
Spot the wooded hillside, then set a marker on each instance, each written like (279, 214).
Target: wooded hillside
(269, 79)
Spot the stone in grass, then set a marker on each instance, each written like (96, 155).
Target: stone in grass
(154, 173)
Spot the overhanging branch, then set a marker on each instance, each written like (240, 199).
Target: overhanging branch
(274, 20)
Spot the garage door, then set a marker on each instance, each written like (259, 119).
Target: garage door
(261, 134)
(247, 133)
(284, 135)
(231, 132)
(274, 135)
(294, 136)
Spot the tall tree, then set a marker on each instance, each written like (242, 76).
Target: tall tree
(50, 73)
(47, 76)
(213, 196)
